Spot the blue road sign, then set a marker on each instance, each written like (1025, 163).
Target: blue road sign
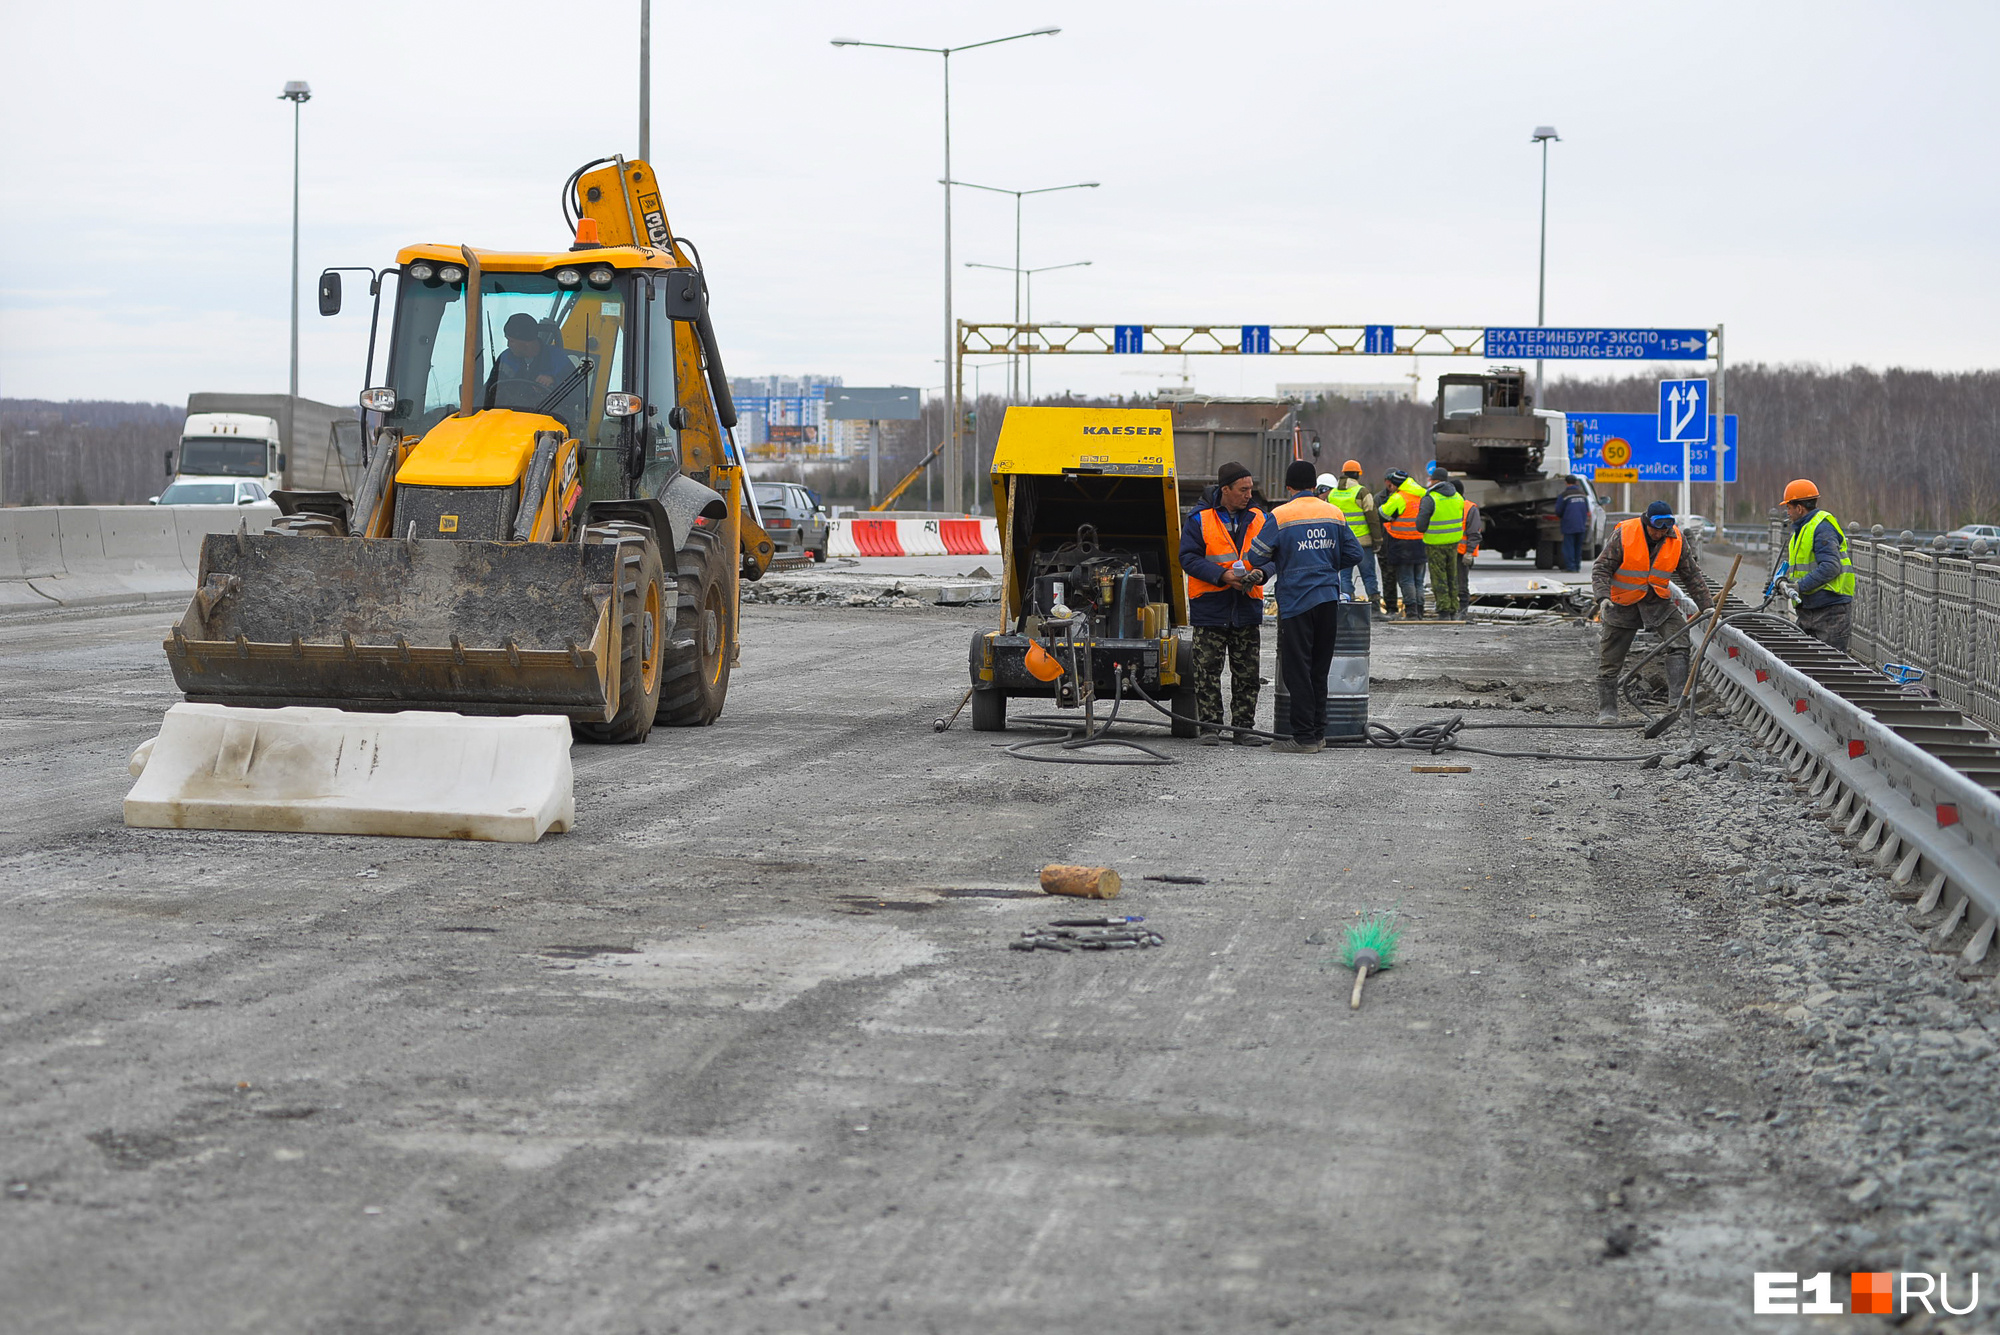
(1256, 338)
(1378, 340)
(1621, 345)
(1128, 338)
(1655, 459)
(1683, 411)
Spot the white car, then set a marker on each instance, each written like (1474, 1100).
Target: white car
(219, 491)
(1971, 533)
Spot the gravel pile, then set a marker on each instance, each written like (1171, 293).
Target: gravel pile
(820, 595)
(1891, 1080)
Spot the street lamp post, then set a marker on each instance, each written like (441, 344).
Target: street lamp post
(646, 80)
(297, 92)
(1027, 278)
(1544, 135)
(955, 483)
(1014, 360)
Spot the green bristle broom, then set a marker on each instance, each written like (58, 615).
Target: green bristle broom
(1371, 944)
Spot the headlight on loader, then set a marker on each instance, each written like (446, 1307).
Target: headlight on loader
(379, 400)
(623, 405)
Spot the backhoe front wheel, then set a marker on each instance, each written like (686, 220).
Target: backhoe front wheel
(643, 631)
(696, 674)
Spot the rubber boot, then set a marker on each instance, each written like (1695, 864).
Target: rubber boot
(1607, 700)
(1677, 677)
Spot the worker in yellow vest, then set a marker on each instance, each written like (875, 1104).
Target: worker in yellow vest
(1403, 555)
(1630, 581)
(1350, 495)
(1817, 563)
(1441, 519)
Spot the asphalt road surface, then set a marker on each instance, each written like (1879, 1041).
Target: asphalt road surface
(746, 1050)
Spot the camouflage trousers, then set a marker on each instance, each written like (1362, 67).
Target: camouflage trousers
(1444, 578)
(1831, 625)
(1238, 646)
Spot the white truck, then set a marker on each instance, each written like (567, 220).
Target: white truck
(235, 449)
(225, 459)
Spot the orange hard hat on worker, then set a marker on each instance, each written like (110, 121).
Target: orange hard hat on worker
(1352, 466)
(1800, 489)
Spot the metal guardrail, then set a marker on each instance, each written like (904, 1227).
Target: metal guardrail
(1936, 611)
(1903, 778)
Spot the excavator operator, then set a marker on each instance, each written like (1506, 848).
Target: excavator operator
(525, 372)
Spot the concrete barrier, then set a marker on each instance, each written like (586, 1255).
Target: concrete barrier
(109, 555)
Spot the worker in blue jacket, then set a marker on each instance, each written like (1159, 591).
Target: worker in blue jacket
(1573, 511)
(1309, 544)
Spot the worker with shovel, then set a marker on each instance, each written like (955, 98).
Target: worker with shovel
(1630, 581)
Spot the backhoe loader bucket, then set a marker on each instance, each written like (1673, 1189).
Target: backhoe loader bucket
(391, 624)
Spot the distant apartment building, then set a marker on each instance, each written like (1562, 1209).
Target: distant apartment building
(1352, 391)
(784, 416)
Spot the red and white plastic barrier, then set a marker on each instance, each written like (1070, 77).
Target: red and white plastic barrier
(914, 537)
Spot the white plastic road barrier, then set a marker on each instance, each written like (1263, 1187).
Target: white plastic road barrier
(840, 541)
(326, 771)
(919, 537)
(871, 535)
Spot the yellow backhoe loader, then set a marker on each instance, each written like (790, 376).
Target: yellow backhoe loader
(552, 518)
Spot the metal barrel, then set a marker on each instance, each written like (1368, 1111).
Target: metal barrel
(1347, 674)
(391, 624)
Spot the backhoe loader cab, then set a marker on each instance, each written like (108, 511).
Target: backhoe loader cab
(551, 518)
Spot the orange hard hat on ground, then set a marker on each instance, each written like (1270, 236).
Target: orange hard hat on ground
(1800, 489)
(1351, 466)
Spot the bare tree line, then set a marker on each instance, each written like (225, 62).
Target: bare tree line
(84, 452)
(1902, 448)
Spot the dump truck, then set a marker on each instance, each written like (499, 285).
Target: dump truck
(1210, 431)
(551, 517)
(1510, 457)
(1092, 601)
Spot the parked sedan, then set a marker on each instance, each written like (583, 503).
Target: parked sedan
(794, 518)
(1971, 533)
(208, 492)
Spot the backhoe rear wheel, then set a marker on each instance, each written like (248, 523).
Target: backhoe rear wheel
(642, 631)
(695, 679)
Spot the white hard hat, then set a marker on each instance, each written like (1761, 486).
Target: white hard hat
(1329, 481)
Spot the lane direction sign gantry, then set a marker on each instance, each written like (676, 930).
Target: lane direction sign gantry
(1683, 412)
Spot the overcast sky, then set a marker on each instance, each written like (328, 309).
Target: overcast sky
(1818, 176)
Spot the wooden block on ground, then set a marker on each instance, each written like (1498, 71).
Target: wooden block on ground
(1080, 882)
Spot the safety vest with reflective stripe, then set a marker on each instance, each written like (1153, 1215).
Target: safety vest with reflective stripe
(1641, 573)
(1469, 546)
(1801, 556)
(1399, 512)
(1348, 499)
(1447, 526)
(1222, 549)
